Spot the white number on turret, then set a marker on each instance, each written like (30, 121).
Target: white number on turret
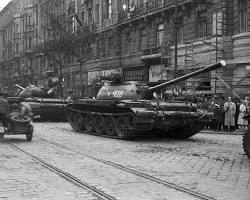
(118, 93)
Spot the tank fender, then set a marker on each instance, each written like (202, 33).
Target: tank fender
(143, 112)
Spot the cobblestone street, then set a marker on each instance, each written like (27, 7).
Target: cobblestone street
(213, 165)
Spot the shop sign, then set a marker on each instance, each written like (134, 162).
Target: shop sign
(95, 75)
(248, 67)
(156, 73)
(135, 74)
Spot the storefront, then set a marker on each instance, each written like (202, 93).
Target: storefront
(95, 76)
(157, 73)
(135, 74)
(95, 82)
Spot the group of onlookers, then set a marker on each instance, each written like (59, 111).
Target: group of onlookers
(228, 114)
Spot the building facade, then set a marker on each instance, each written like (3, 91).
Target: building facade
(136, 38)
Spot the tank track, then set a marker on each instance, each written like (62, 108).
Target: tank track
(186, 131)
(246, 143)
(117, 126)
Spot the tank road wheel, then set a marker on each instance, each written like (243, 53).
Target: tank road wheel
(123, 127)
(246, 144)
(110, 126)
(78, 121)
(89, 123)
(99, 125)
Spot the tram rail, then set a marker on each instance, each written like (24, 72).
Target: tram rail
(67, 176)
(132, 171)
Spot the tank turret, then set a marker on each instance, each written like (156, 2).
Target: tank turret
(33, 91)
(127, 90)
(125, 109)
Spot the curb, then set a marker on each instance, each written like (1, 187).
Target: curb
(222, 132)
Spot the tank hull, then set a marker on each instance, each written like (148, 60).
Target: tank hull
(45, 109)
(127, 119)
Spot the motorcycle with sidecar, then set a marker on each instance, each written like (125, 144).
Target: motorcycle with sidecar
(19, 124)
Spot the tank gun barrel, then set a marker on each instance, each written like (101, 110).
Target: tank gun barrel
(19, 86)
(206, 69)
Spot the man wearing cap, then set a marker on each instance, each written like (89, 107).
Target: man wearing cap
(4, 110)
(25, 108)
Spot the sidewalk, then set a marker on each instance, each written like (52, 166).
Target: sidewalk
(236, 132)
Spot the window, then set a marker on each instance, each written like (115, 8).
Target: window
(17, 48)
(30, 20)
(243, 15)
(17, 28)
(90, 16)
(128, 44)
(159, 35)
(97, 49)
(82, 16)
(110, 46)
(108, 8)
(201, 24)
(217, 23)
(30, 42)
(73, 25)
(180, 33)
(97, 13)
(160, 3)
(143, 39)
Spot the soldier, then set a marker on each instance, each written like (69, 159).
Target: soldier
(4, 110)
(25, 109)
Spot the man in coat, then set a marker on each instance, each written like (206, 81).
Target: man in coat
(230, 109)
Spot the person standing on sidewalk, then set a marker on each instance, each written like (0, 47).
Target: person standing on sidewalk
(242, 123)
(230, 109)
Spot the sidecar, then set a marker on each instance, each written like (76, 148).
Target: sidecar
(19, 124)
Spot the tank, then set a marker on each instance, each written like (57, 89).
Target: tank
(43, 102)
(246, 138)
(125, 109)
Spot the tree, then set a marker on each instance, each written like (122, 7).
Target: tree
(66, 39)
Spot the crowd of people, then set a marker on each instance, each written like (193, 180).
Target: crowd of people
(228, 113)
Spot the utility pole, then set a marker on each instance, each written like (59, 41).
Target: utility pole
(175, 41)
(216, 49)
(81, 82)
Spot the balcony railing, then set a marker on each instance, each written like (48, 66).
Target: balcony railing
(28, 49)
(150, 51)
(145, 8)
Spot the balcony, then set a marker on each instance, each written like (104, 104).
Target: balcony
(148, 7)
(50, 72)
(145, 8)
(28, 49)
(158, 54)
(151, 53)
